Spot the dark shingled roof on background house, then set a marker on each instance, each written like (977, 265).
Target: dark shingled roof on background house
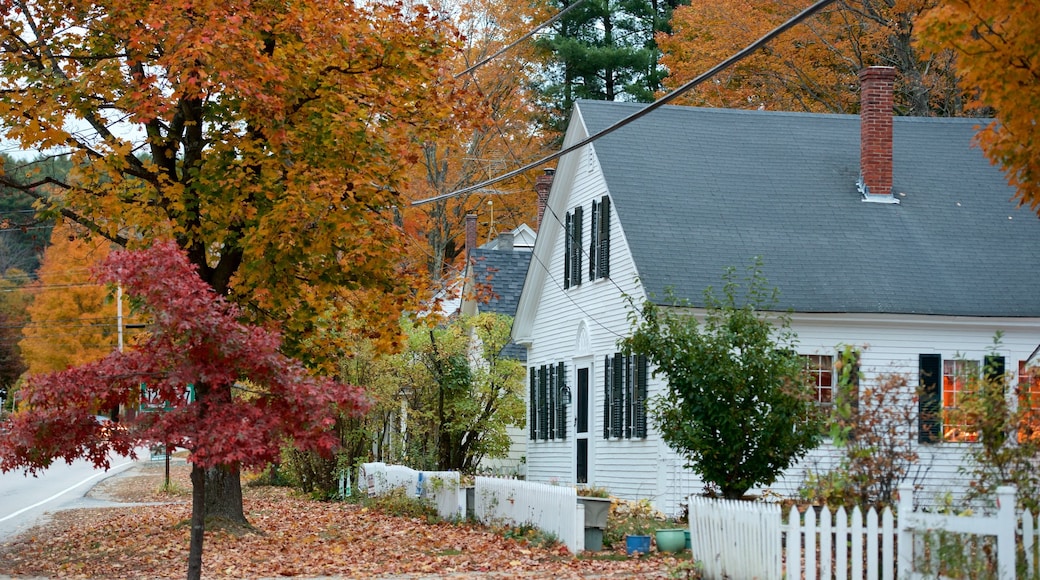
(699, 190)
(502, 274)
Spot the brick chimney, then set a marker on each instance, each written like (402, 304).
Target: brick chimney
(471, 234)
(875, 129)
(542, 185)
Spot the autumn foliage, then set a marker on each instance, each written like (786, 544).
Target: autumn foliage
(70, 319)
(813, 66)
(196, 339)
(268, 140)
(996, 46)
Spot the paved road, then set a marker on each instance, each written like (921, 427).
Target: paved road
(26, 500)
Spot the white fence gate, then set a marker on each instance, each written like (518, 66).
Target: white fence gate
(742, 540)
(735, 539)
(550, 508)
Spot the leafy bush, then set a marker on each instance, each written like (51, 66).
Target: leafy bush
(738, 408)
(873, 426)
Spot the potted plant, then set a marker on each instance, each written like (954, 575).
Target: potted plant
(597, 507)
(636, 544)
(670, 539)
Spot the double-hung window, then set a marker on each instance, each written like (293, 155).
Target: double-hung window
(820, 368)
(944, 384)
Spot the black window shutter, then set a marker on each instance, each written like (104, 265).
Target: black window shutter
(594, 243)
(561, 401)
(553, 386)
(608, 390)
(576, 246)
(567, 233)
(641, 374)
(604, 238)
(532, 426)
(617, 397)
(543, 404)
(929, 419)
(630, 399)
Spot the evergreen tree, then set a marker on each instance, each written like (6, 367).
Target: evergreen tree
(602, 50)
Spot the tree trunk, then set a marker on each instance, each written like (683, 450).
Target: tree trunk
(224, 494)
(198, 522)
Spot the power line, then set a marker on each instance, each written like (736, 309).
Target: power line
(748, 50)
(509, 46)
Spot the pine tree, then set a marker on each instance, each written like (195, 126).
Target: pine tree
(603, 50)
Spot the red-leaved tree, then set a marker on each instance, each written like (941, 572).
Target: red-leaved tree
(249, 397)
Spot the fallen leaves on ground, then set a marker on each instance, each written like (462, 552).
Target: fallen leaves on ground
(294, 536)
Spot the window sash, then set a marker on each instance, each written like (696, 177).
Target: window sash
(959, 378)
(821, 371)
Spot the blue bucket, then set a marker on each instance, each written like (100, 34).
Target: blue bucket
(637, 544)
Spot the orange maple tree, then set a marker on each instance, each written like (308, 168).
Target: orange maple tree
(267, 139)
(995, 42)
(812, 67)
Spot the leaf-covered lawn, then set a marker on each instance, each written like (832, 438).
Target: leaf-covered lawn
(294, 537)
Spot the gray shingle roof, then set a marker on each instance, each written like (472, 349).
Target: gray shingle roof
(500, 275)
(698, 190)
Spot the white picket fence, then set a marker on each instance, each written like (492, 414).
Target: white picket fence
(735, 539)
(552, 509)
(742, 540)
(440, 487)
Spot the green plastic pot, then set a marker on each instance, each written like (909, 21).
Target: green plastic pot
(671, 540)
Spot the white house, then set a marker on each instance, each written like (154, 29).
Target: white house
(893, 233)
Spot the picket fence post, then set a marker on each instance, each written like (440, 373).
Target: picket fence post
(1006, 532)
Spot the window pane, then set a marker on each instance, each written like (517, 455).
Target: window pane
(958, 377)
(820, 368)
